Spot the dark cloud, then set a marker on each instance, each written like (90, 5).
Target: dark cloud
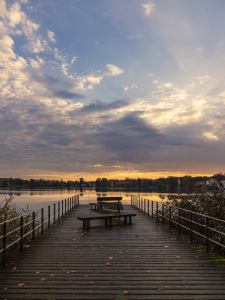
(100, 106)
(57, 85)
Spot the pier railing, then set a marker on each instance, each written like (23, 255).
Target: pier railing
(17, 232)
(204, 229)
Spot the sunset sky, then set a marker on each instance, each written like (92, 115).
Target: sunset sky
(112, 88)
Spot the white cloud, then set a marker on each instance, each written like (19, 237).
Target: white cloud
(51, 36)
(113, 70)
(210, 136)
(202, 79)
(73, 59)
(148, 7)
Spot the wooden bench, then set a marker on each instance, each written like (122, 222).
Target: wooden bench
(111, 203)
(108, 219)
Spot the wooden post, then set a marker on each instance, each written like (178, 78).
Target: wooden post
(163, 217)
(58, 211)
(152, 208)
(62, 208)
(148, 207)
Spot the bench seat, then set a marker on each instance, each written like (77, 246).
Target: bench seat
(108, 219)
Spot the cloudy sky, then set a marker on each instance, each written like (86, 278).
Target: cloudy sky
(111, 88)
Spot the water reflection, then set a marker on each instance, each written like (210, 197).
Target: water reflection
(38, 198)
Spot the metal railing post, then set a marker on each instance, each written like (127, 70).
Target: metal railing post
(54, 213)
(33, 226)
(62, 208)
(170, 220)
(4, 244)
(42, 221)
(21, 233)
(49, 217)
(58, 211)
(152, 209)
(207, 233)
(148, 207)
(157, 211)
(163, 217)
(191, 227)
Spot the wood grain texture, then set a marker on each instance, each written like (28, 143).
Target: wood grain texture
(142, 261)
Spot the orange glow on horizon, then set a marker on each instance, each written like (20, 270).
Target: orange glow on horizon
(113, 175)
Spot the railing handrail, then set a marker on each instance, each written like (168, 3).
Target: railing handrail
(35, 211)
(175, 219)
(48, 218)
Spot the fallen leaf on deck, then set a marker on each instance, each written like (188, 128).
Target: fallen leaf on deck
(136, 256)
(93, 269)
(5, 288)
(52, 275)
(148, 271)
(67, 272)
(85, 275)
(37, 272)
(90, 282)
(43, 279)
(166, 246)
(73, 272)
(179, 256)
(125, 292)
(20, 284)
(108, 264)
(74, 239)
(110, 257)
(160, 290)
(14, 268)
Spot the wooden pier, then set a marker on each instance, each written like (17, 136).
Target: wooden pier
(144, 260)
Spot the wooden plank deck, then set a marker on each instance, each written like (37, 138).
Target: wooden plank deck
(141, 261)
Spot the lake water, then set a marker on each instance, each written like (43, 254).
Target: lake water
(36, 199)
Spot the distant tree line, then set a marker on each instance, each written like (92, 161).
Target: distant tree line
(169, 184)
